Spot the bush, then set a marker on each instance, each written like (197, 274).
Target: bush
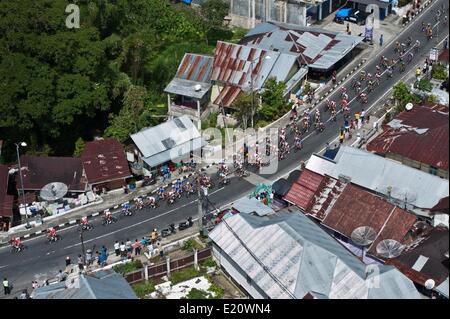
(197, 294)
(424, 85)
(128, 267)
(208, 263)
(216, 291)
(191, 244)
(143, 289)
(183, 275)
(439, 72)
(261, 123)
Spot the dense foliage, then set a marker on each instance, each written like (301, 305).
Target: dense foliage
(60, 84)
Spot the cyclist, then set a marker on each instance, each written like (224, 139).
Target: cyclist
(363, 97)
(389, 72)
(417, 45)
(161, 192)
(51, 233)
(16, 243)
(362, 75)
(409, 41)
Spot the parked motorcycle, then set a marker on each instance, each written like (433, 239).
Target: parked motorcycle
(185, 225)
(168, 231)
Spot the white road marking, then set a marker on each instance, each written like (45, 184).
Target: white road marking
(3, 266)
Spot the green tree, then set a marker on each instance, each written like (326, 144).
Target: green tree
(79, 147)
(273, 102)
(243, 108)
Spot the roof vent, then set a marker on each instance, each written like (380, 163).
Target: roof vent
(409, 106)
(197, 87)
(344, 178)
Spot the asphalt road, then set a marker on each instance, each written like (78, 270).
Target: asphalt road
(44, 259)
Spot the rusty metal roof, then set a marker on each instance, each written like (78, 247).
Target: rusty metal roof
(104, 160)
(420, 134)
(195, 67)
(227, 95)
(233, 65)
(303, 190)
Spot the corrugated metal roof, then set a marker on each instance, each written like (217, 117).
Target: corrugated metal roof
(108, 286)
(195, 67)
(187, 88)
(303, 258)
(252, 205)
(232, 65)
(318, 48)
(227, 95)
(443, 288)
(104, 160)
(421, 134)
(355, 207)
(155, 140)
(303, 190)
(381, 175)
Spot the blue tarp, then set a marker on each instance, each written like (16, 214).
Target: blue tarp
(187, 1)
(342, 13)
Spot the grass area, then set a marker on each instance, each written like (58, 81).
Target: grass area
(238, 34)
(197, 294)
(402, 3)
(216, 291)
(128, 267)
(184, 274)
(191, 244)
(210, 120)
(142, 289)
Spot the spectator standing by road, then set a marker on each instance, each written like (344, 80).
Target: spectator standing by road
(137, 247)
(68, 261)
(333, 77)
(381, 40)
(80, 263)
(123, 253)
(6, 286)
(363, 114)
(128, 245)
(117, 248)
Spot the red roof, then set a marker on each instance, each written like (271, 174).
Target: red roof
(39, 171)
(6, 201)
(356, 207)
(302, 191)
(443, 56)
(104, 160)
(420, 134)
(441, 206)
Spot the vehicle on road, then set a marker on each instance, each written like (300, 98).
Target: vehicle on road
(186, 224)
(351, 15)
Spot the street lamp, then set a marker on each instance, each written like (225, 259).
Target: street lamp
(267, 57)
(23, 144)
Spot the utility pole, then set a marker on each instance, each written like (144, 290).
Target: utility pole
(22, 191)
(199, 204)
(82, 243)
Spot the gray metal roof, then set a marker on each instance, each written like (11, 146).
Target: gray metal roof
(252, 205)
(322, 47)
(303, 258)
(170, 138)
(102, 285)
(301, 73)
(380, 4)
(187, 88)
(379, 174)
(443, 288)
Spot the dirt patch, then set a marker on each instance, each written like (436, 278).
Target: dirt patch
(230, 290)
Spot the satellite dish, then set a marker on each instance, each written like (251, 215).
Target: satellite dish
(409, 106)
(363, 236)
(197, 87)
(53, 191)
(429, 284)
(389, 248)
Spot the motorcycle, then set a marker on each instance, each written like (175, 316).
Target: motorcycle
(185, 225)
(168, 231)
